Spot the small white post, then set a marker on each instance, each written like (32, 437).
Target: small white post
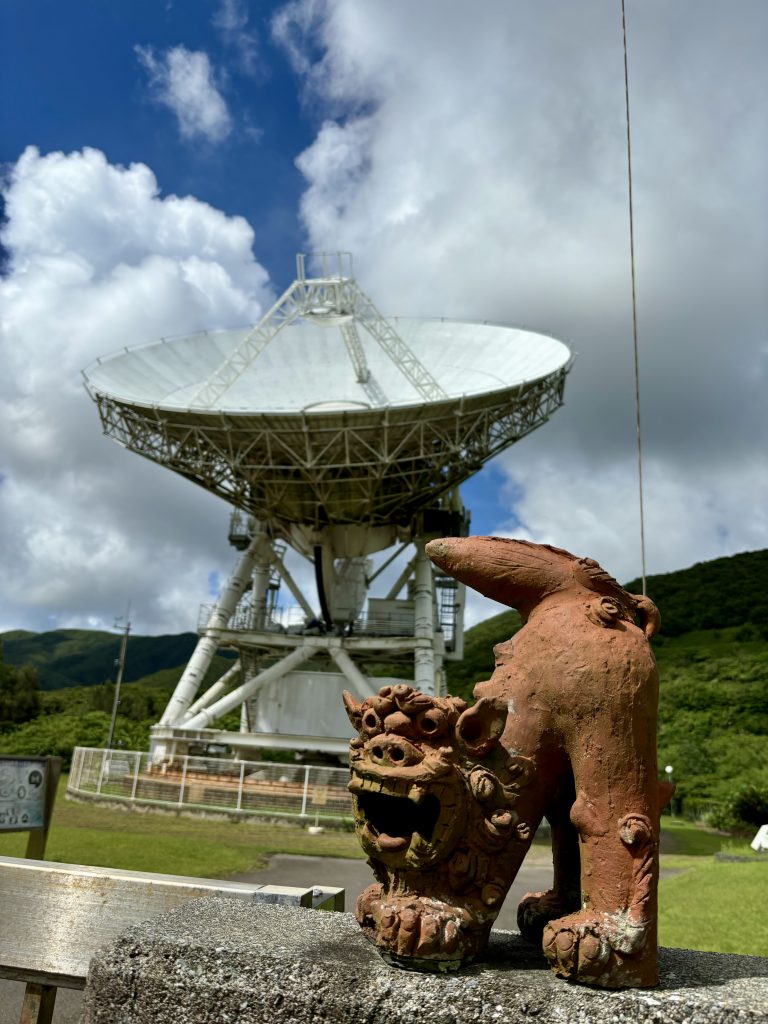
(240, 787)
(305, 793)
(183, 779)
(136, 776)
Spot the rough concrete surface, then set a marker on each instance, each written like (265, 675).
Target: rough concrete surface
(293, 869)
(216, 961)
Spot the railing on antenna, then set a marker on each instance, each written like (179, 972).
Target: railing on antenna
(335, 266)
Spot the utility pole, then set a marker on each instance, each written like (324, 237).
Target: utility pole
(120, 667)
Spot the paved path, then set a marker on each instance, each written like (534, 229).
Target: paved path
(355, 875)
(287, 869)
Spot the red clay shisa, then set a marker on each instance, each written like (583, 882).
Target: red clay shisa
(448, 797)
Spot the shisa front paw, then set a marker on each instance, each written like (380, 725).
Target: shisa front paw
(418, 930)
(576, 947)
(414, 927)
(598, 949)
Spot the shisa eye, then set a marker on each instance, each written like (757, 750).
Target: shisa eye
(432, 722)
(371, 722)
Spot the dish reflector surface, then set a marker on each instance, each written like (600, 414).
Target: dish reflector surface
(296, 438)
(306, 367)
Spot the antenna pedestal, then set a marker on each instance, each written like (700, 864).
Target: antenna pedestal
(292, 670)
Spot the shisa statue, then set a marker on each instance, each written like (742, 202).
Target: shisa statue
(448, 797)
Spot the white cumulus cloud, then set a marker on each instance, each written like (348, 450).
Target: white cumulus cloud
(473, 158)
(99, 259)
(232, 21)
(183, 81)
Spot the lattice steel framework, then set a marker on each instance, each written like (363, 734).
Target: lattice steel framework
(376, 467)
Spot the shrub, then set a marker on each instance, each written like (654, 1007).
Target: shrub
(744, 811)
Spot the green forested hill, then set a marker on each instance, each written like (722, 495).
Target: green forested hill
(713, 711)
(712, 595)
(81, 657)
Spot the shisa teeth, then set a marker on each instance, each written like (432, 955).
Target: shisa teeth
(363, 784)
(415, 792)
(400, 787)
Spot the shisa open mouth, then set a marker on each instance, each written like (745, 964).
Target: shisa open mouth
(402, 822)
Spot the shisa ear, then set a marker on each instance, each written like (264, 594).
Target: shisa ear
(353, 708)
(480, 727)
(648, 614)
(514, 572)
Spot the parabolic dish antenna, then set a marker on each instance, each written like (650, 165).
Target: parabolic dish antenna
(304, 419)
(338, 431)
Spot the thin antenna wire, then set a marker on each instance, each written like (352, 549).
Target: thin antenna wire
(634, 304)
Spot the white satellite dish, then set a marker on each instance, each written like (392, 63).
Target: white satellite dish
(339, 432)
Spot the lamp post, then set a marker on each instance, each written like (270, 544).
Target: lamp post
(668, 769)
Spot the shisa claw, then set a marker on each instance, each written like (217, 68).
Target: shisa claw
(536, 910)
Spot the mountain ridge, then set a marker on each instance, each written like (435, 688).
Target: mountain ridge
(721, 593)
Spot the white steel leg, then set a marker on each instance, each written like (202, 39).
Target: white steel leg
(424, 616)
(207, 645)
(236, 697)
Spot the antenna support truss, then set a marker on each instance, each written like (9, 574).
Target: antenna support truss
(331, 299)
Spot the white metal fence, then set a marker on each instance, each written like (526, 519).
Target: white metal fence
(239, 788)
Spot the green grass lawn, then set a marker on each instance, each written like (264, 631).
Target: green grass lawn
(682, 838)
(715, 906)
(706, 904)
(90, 834)
(709, 904)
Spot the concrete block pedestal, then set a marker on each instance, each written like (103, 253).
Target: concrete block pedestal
(221, 961)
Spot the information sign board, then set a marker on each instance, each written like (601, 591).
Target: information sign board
(22, 793)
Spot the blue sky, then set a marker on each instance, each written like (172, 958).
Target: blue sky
(472, 157)
(71, 76)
